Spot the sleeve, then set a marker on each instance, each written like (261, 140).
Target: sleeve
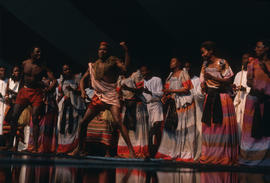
(158, 88)
(250, 73)
(227, 71)
(202, 71)
(236, 79)
(186, 82)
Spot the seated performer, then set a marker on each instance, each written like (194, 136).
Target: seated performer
(103, 75)
(31, 93)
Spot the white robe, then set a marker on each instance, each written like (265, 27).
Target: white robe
(240, 99)
(3, 86)
(199, 99)
(154, 105)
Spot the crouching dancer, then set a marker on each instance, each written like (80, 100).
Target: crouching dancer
(103, 75)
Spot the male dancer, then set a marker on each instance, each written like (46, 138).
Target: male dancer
(103, 75)
(31, 94)
(242, 90)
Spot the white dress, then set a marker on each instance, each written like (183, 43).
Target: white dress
(240, 98)
(3, 86)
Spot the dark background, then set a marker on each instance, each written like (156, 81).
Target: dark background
(69, 31)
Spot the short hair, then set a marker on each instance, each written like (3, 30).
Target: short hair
(30, 51)
(209, 45)
(265, 42)
(16, 65)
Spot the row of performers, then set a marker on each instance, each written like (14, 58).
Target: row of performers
(190, 118)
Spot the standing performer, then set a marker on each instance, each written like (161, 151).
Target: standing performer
(135, 116)
(104, 74)
(219, 126)
(199, 97)
(242, 90)
(255, 141)
(13, 86)
(153, 93)
(71, 108)
(31, 94)
(3, 86)
(179, 142)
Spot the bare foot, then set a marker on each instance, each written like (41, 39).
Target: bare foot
(132, 154)
(75, 152)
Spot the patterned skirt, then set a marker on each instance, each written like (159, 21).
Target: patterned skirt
(220, 140)
(139, 137)
(253, 151)
(181, 145)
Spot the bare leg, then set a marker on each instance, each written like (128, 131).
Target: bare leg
(17, 110)
(154, 138)
(36, 111)
(88, 116)
(116, 116)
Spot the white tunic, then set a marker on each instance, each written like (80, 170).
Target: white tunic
(240, 99)
(154, 105)
(3, 86)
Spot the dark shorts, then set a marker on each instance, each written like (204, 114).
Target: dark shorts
(30, 96)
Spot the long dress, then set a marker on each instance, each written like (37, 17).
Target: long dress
(182, 143)
(196, 91)
(3, 86)
(139, 136)
(255, 150)
(240, 99)
(219, 133)
(71, 109)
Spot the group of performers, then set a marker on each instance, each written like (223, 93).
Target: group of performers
(215, 118)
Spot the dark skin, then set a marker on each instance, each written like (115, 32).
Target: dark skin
(155, 130)
(175, 67)
(33, 74)
(209, 55)
(245, 60)
(16, 75)
(115, 110)
(260, 50)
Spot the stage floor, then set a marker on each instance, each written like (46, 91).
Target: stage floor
(26, 167)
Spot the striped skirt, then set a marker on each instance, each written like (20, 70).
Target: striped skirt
(253, 151)
(181, 144)
(99, 129)
(220, 141)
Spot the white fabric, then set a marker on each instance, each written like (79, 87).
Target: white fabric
(154, 105)
(199, 99)
(240, 98)
(3, 86)
(181, 100)
(13, 85)
(24, 145)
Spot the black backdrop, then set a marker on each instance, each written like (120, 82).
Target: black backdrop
(155, 31)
